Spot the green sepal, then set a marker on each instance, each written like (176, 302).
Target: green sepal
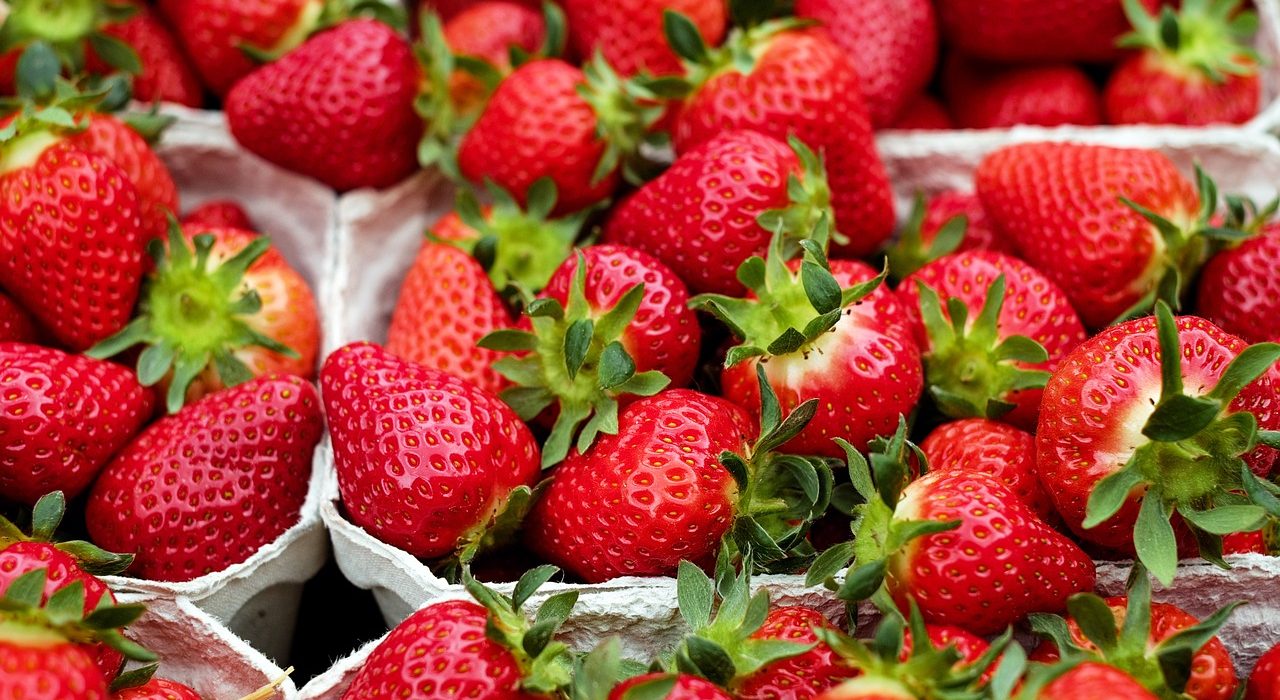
(909, 253)
(1212, 37)
(46, 517)
(626, 111)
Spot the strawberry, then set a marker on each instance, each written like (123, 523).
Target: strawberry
(107, 136)
(1069, 209)
(1194, 66)
(869, 688)
(254, 440)
(1238, 290)
(970, 646)
(449, 9)
(339, 108)
(797, 677)
(1152, 417)
(602, 676)
(447, 304)
(1163, 647)
(977, 445)
(1034, 30)
(629, 34)
(214, 32)
(1264, 681)
(738, 85)
(1091, 680)
(218, 313)
(460, 648)
(15, 323)
(893, 45)
(157, 689)
(491, 32)
(425, 461)
(219, 213)
(923, 113)
(682, 687)
(948, 222)
(167, 74)
(61, 418)
(702, 216)
(981, 96)
(994, 365)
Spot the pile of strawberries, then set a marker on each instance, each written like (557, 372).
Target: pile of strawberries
(667, 331)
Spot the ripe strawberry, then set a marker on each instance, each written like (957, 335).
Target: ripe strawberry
(970, 646)
(701, 216)
(218, 213)
(982, 96)
(425, 461)
(893, 45)
(1264, 681)
(486, 650)
(823, 108)
(41, 664)
(111, 138)
(15, 323)
(1035, 30)
(949, 222)
(61, 418)
(218, 313)
(1063, 206)
(978, 233)
(977, 445)
(869, 688)
(254, 440)
(630, 34)
(797, 677)
(489, 31)
(1194, 66)
(339, 108)
(1091, 680)
(923, 113)
(449, 9)
(994, 366)
(167, 74)
(157, 689)
(214, 33)
(1238, 290)
(1121, 445)
(682, 687)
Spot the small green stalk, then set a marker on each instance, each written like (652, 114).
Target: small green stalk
(1207, 37)
(626, 111)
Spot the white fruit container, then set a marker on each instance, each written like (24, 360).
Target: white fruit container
(379, 233)
(258, 598)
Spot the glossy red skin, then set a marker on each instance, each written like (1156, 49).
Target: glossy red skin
(978, 233)
(1264, 681)
(1033, 306)
(72, 243)
(219, 213)
(923, 113)
(167, 74)
(1245, 543)
(1144, 89)
(56, 672)
(1058, 204)
(1094, 680)
(212, 32)
(869, 688)
(62, 416)
(632, 506)
(797, 677)
(699, 217)
(158, 689)
(629, 33)
(489, 30)
(1240, 291)
(803, 84)
(447, 9)
(893, 44)
(1002, 563)
(687, 687)
(339, 108)
(416, 479)
(15, 323)
(241, 455)
(537, 125)
(1097, 402)
(1035, 30)
(982, 96)
(866, 373)
(446, 305)
(112, 138)
(664, 335)
(1213, 677)
(993, 448)
(440, 652)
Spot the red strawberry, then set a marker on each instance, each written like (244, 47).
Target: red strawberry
(798, 677)
(1194, 66)
(629, 33)
(219, 213)
(1264, 681)
(156, 498)
(977, 445)
(823, 108)
(41, 664)
(1239, 290)
(1121, 444)
(214, 33)
(1255, 542)
(1061, 206)
(982, 96)
(15, 322)
(923, 113)
(61, 418)
(244, 313)
(425, 461)
(949, 222)
(683, 687)
(157, 689)
(894, 46)
(109, 137)
(447, 304)
(970, 646)
(339, 108)
(489, 31)
(451, 8)
(167, 74)
(870, 688)
(1035, 30)
(1092, 680)
(701, 216)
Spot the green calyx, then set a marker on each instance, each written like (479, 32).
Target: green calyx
(193, 315)
(65, 26)
(1163, 668)
(601, 670)
(1193, 461)
(969, 368)
(546, 664)
(626, 110)
(519, 246)
(574, 359)
(319, 15)
(910, 253)
(46, 516)
(22, 616)
(1210, 37)
(497, 532)
(740, 51)
(779, 495)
